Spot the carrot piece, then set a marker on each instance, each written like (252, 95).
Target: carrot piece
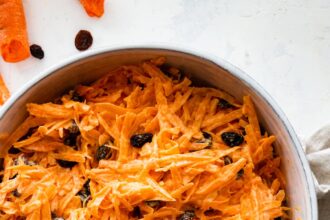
(13, 34)
(4, 93)
(94, 8)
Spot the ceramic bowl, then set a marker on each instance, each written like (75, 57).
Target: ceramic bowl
(204, 70)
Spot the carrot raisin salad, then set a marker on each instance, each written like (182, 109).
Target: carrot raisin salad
(142, 143)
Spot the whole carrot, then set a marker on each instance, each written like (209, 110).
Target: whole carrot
(14, 44)
(94, 8)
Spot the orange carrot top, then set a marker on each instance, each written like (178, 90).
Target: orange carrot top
(94, 8)
(13, 35)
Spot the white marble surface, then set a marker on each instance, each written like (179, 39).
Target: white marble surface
(282, 44)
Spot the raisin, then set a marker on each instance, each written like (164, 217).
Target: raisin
(223, 104)
(136, 213)
(212, 212)
(262, 130)
(66, 164)
(138, 140)
(278, 218)
(188, 215)
(37, 51)
(243, 131)
(14, 150)
(83, 40)
(232, 139)
(16, 193)
(85, 193)
(76, 97)
(74, 129)
(1, 168)
(155, 204)
(240, 173)
(54, 217)
(207, 138)
(141, 86)
(166, 70)
(227, 160)
(174, 75)
(70, 140)
(29, 133)
(71, 134)
(103, 153)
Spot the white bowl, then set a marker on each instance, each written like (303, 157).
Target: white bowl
(214, 72)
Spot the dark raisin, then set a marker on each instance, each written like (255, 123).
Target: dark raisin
(71, 134)
(74, 129)
(29, 133)
(66, 164)
(141, 86)
(262, 130)
(243, 131)
(207, 138)
(14, 150)
(240, 173)
(136, 213)
(37, 51)
(103, 153)
(155, 204)
(54, 217)
(70, 140)
(207, 135)
(138, 140)
(223, 104)
(188, 215)
(212, 212)
(167, 71)
(83, 40)
(278, 218)
(16, 193)
(232, 139)
(227, 160)
(76, 97)
(85, 193)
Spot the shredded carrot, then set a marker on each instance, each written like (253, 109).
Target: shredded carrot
(141, 144)
(94, 8)
(14, 44)
(4, 92)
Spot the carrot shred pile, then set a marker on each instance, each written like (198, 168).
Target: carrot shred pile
(14, 44)
(185, 169)
(94, 8)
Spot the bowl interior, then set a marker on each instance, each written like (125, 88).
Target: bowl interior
(203, 72)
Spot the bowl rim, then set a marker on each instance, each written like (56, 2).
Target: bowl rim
(235, 71)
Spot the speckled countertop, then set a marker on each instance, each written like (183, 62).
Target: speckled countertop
(282, 44)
